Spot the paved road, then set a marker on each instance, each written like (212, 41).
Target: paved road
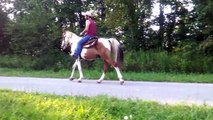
(171, 93)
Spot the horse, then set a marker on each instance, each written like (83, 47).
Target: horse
(108, 49)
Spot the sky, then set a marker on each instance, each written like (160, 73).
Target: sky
(167, 9)
(11, 16)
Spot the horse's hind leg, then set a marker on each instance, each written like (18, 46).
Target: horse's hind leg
(119, 75)
(106, 65)
(114, 64)
(117, 69)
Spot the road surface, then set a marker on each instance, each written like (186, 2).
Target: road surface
(162, 92)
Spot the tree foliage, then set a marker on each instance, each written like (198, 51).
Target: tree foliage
(37, 25)
(34, 30)
(4, 43)
(129, 17)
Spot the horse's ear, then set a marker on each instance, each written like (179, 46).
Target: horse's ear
(64, 30)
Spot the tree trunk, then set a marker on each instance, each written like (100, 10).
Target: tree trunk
(161, 24)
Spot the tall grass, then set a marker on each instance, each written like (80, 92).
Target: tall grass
(25, 106)
(159, 61)
(141, 61)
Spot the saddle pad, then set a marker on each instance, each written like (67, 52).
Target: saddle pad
(91, 42)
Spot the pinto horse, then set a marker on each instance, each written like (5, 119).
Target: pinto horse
(109, 49)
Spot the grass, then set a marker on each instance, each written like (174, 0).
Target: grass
(95, 74)
(26, 106)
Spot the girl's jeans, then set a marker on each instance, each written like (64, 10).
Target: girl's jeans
(80, 45)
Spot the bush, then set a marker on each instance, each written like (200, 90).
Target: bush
(55, 61)
(140, 61)
(15, 61)
(158, 61)
(207, 46)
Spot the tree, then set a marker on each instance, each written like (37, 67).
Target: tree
(204, 10)
(68, 13)
(204, 21)
(4, 43)
(161, 21)
(34, 31)
(129, 16)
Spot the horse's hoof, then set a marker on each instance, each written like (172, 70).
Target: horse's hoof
(121, 82)
(79, 81)
(99, 82)
(71, 79)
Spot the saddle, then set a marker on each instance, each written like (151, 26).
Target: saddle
(92, 41)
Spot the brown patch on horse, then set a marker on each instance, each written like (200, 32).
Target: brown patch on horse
(106, 66)
(94, 51)
(105, 54)
(99, 50)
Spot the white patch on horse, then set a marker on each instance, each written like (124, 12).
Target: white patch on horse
(83, 53)
(75, 39)
(105, 41)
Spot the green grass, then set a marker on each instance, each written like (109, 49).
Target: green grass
(26, 106)
(95, 74)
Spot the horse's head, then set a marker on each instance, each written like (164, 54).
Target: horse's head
(66, 40)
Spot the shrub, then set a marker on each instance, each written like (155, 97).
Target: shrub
(140, 61)
(159, 61)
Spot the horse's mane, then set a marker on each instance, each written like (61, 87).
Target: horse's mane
(69, 33)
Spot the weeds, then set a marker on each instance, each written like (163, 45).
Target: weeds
(20, 105)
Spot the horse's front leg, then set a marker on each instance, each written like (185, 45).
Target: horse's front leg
(73, 70)
(80, 70)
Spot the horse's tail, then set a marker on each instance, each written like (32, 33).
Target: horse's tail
(117, 52)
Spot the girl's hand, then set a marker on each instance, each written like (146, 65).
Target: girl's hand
(81, 34)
